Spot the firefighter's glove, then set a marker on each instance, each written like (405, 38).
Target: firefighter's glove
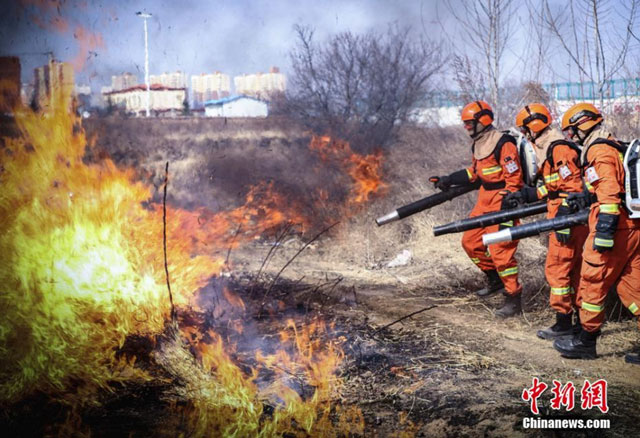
(506, 205)
(441, 182)
(509, 200)
(605, 231)
(564, 235)
(457, 178)
(579, 201)
(525, 195)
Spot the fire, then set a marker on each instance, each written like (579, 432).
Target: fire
(365, 170)
(83, 270)
(303, 359)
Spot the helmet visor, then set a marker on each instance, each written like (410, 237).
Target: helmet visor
(582, 116)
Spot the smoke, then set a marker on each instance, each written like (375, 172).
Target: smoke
(88, 42)
(191, 36)
(60, 24)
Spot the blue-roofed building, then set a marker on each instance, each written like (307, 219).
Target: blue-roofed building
(236, 106)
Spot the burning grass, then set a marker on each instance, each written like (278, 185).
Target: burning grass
(84, 274)
(86, 342)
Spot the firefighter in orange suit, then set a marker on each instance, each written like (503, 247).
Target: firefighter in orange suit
(612, 249)
(559, 163)
(496, 165)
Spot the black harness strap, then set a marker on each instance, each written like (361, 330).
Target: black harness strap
(555, 143)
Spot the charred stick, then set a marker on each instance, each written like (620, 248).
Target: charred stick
(233, 239)
(164, 241)
(403, 318)
(273, 282)
(270, 254)
(335, 284)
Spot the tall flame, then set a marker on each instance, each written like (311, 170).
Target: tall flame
(83, 269)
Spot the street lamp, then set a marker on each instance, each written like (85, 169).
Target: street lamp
(144, 16)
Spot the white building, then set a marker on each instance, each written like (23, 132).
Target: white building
(171, 80)
(162, 99)
(123, 81)
(205, 87)
(260, 85)
(236, 106)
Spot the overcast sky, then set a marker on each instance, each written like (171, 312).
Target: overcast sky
(233, 36)
(102, 38)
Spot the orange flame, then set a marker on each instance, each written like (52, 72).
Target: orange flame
(232, 298)
(83, 270)
(365, 170)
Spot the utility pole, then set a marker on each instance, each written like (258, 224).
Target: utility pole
(144, 16)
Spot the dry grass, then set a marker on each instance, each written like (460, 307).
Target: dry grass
(429, 366)
(437, 262)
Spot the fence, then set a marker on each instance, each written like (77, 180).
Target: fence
(588, 90)
(574, 91)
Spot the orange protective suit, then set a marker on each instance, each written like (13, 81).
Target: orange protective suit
(604, 175)
(560, 170)
(496, 175)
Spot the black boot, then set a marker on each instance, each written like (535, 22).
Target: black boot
(577, 327)
(580, 346)
(494, 284)
(562, 327)
(512, 306)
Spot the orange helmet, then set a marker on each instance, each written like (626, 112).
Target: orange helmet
(582, 116)
(534, 118)
(478, 111)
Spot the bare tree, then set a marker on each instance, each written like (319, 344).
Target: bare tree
(486, 30)
(592, 38)
(469, 78)
(535, 59)
(361, 87)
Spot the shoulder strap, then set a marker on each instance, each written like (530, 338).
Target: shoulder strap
(614, 144)
(504, 139)
(555, 143)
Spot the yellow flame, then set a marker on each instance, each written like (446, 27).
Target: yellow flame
(82, 268)
(73, 284)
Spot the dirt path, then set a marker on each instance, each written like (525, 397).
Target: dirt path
(456, 370)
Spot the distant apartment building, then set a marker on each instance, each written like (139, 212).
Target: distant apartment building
(211, 86)
(54, 76)
(162, 100)
(9, 83)
(26, 93)
(123, 81)
(171, 80)
(261, 85)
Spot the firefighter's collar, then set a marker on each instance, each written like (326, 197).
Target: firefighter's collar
(485, 143)
(542, 143)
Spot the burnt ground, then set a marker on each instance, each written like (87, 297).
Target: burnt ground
(449, 371)
(455, 369)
